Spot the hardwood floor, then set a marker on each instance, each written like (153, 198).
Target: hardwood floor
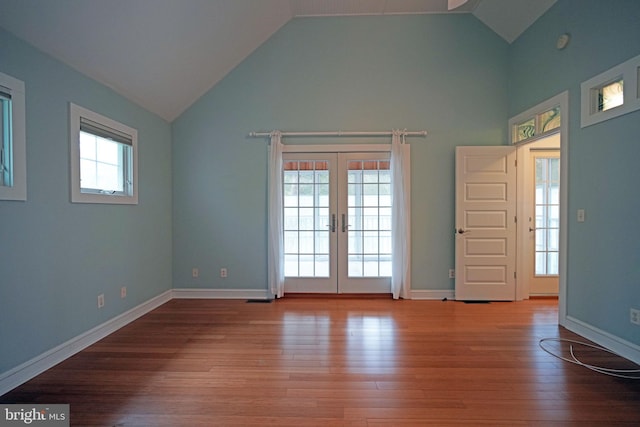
(336, 362)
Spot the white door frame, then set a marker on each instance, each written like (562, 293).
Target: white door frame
(562, 100)
(350, 285)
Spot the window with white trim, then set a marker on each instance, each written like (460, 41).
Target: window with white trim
(611, 94)
(13, 162)
(103, 159)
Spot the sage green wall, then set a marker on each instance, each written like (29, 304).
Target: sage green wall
(604, 251)
(55, 256)
(443, 73)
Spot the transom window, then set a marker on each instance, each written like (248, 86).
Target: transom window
(537, 126)
(103, 159)
(611, 94)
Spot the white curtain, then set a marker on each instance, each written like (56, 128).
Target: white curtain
(400, 216)
(276, 240)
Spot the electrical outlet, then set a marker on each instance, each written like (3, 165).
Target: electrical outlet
(452, 273)
(634, 316)
(123, 292)
(100, 300)
(195, 272)
(223, 272)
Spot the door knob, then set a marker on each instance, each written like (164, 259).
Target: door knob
(461, 231)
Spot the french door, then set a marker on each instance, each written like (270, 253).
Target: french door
(544, 232)
(337, 222)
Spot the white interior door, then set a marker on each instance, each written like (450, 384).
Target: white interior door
(485, 223)
(337, 222)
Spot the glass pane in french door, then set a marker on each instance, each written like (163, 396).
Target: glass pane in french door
(369, 218)
(307, 228)
(547, 214)
(337, 222)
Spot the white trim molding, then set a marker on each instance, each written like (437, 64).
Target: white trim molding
(619, 346)
(31, 368)
(629, 73)
(257, 294)
(436, 294)
(129, 193)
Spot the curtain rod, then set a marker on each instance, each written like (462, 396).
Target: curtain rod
(339, 133)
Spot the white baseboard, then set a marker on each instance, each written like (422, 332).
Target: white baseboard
(622, 347)
(31, 368)
(433, 294)
(28, 370)
(260, 294)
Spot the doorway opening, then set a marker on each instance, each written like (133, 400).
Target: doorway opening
(543, 129)
(541, 208)
(491, 243)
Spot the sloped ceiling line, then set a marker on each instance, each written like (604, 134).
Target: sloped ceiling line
(165, 54)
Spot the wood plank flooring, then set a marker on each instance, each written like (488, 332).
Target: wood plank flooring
(336, 362)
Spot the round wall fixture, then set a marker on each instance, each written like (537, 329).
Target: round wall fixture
(563, 41)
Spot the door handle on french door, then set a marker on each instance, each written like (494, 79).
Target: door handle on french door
(332, 226)
(344, 223)
(333, 223)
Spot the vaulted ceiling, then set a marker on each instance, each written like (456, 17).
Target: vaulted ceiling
(165, 54)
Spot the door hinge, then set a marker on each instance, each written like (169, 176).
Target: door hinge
(515, 219)
(515, 162)
(515, 275)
